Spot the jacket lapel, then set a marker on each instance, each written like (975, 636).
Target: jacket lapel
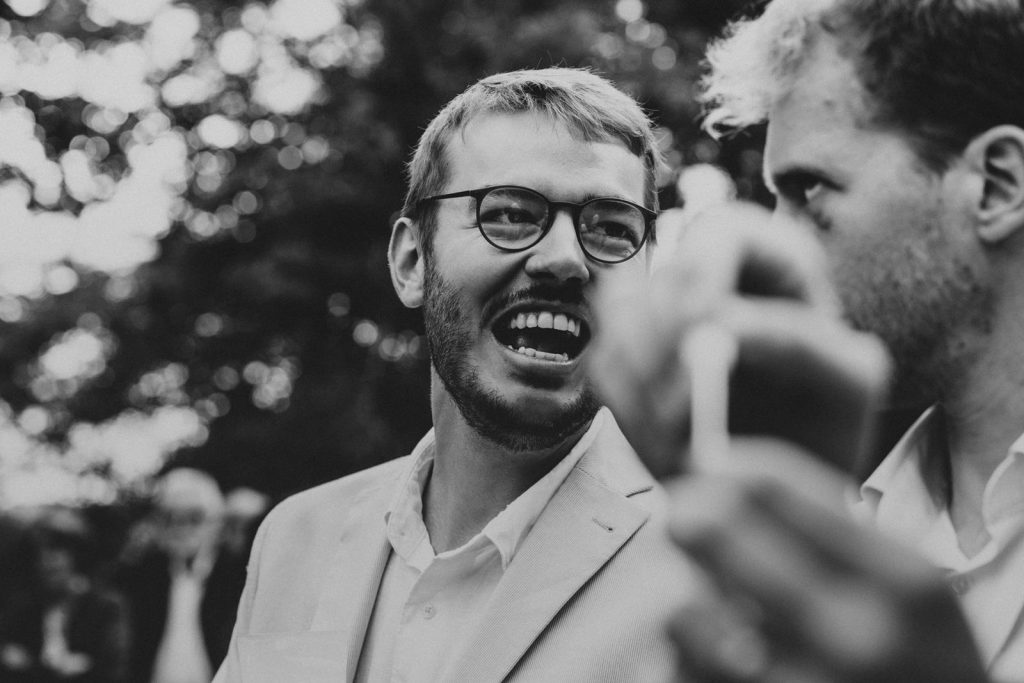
(583, 526)
(354, 573)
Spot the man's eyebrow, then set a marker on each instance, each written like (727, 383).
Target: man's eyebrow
(602, 195)
(585, 197)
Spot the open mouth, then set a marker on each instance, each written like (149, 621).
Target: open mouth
(546, 335)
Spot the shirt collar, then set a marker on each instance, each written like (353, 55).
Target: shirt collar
(407, 531)
(909, 491)
(896, 494)
(1004, 493)
(508, 529)
(906, 459)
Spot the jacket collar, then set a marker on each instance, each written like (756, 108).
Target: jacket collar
(354, 572)
(592, 508)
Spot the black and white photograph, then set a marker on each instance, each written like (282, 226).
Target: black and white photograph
(519, 341)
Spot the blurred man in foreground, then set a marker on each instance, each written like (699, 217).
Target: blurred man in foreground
(896, 132)
(517, 541)
(805, 593)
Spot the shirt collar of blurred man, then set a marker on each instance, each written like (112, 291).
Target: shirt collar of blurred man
(906, 496)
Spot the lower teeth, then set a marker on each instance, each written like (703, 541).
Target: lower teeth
(543, 355)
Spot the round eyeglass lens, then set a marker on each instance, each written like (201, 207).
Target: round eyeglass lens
(611, 230)
(512, 217)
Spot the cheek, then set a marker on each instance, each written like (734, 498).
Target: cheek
(882, 255)
(876, 227)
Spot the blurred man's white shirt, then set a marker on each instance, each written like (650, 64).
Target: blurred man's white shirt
(900, 500)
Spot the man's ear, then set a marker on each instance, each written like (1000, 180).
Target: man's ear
(997, 155)
(405, 259)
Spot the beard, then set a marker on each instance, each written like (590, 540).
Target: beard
(449, 341)
(925, 310)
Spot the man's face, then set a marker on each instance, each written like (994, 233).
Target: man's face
(186, 527)
(508, 331)
(899, 236)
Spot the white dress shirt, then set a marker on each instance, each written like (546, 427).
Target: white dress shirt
(905, 498)
(427, 603)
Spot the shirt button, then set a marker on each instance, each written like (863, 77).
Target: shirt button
(961, 585)
(429, 611)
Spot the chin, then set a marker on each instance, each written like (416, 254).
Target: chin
(532, 420)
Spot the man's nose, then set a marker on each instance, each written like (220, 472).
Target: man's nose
(559, 255)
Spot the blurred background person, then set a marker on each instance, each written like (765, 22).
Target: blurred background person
(181, 627)
(63, 626)
(244, 509)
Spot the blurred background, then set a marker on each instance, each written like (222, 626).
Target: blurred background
(195, 200)
(195, 313)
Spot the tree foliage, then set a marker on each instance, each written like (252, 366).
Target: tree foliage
(265, 310)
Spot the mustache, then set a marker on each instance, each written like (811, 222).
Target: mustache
(568, 294)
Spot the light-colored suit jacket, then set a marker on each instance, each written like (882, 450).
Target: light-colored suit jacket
(584, 599)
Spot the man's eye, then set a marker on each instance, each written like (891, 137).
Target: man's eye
(802, 189)
(614, 231)
(509, 215)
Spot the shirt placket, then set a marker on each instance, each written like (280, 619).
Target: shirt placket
(426, 625)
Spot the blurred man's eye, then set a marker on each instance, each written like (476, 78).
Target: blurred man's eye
(801, 188)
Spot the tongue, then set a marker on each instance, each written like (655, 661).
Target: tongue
(549, 341)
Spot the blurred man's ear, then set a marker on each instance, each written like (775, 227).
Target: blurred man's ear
(405, 259)
(998, 156)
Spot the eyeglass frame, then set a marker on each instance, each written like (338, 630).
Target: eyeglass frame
(575, 211)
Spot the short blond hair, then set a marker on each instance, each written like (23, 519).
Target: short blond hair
(588, 105)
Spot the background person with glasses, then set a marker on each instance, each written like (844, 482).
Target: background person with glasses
(517, 541)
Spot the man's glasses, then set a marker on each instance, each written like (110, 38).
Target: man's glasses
(514, 218)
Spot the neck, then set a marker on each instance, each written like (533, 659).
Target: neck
(984, 416)
(474, 479)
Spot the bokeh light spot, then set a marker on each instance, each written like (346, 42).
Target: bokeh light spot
(217, 130)
(305, 19)
(236, 52)
(27, 8)
(629, 10)
(366, 333)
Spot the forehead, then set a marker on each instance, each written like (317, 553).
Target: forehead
(535, 150)
(823, 122)
(824, 99)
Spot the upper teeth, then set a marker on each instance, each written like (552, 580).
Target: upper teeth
(546, 320)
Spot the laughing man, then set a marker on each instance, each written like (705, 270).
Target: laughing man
(516, 541)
